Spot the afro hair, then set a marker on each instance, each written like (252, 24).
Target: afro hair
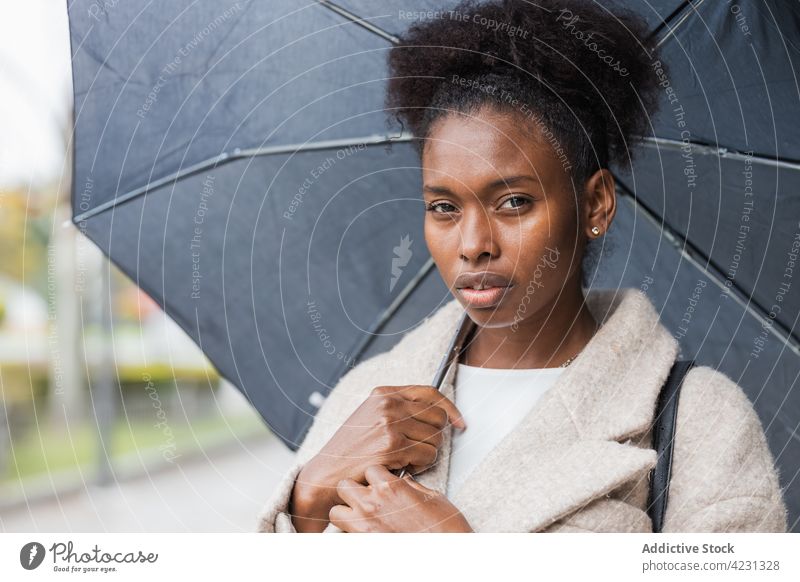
(582, 72)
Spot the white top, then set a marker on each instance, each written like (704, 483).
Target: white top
(493, 401)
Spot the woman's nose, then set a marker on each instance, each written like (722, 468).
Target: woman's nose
(477, 237)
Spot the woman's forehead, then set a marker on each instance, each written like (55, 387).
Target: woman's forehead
(484, 143)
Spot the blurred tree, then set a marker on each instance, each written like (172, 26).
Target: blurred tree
(23, 242)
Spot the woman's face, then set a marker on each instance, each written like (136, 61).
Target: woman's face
(526, 229)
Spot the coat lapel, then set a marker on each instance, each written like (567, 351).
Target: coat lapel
(572, 446)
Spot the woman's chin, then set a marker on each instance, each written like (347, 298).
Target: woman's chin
(490, 317)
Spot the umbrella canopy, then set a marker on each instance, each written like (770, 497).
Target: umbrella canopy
(234, 159)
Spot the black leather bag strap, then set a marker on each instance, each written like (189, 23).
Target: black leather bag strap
(663, 439)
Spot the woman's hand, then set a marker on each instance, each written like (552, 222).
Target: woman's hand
(396, 426)
(393, 504)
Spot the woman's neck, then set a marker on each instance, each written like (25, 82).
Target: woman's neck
(545, 339)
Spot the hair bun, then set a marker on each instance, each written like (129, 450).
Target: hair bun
(585, 69)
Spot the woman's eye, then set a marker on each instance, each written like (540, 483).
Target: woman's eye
(434, 207)
(446, 207)
(520, 198)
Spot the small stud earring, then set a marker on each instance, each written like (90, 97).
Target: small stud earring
(595, 230)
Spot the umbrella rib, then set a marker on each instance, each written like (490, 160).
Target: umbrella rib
(384, 317)
(227, 157)
(360, 21)
(683, 10)
(697, 257)
(723, 152)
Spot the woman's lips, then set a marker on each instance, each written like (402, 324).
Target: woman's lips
(488, 297)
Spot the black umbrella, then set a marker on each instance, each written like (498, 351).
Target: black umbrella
(234, 159)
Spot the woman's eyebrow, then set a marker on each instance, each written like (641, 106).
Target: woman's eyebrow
(509, 180)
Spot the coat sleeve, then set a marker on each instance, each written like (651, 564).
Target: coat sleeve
(346, 396)
(724, 478)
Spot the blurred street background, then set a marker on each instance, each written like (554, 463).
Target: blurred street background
(111, 419)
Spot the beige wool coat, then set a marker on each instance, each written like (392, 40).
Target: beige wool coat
(580, 460)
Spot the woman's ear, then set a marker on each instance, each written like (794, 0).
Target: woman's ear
(600, 203)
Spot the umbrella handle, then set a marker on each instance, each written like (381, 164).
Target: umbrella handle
(464, 331)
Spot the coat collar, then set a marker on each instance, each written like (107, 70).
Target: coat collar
(571, 447)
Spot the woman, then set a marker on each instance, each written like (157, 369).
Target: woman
(545, 423)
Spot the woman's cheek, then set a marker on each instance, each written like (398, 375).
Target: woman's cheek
(431, 239)
(437, 238)
(430, 229)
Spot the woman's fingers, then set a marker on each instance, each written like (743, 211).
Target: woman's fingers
(377, 474)
(424, 394)
(416, 485)
(414, 469)
(435, 416)
(349, 491)
(430, 395)
(408, 452)
(418, 431)
(421, 455)
(341, 516)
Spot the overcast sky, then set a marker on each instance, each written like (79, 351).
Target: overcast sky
(35, 86)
